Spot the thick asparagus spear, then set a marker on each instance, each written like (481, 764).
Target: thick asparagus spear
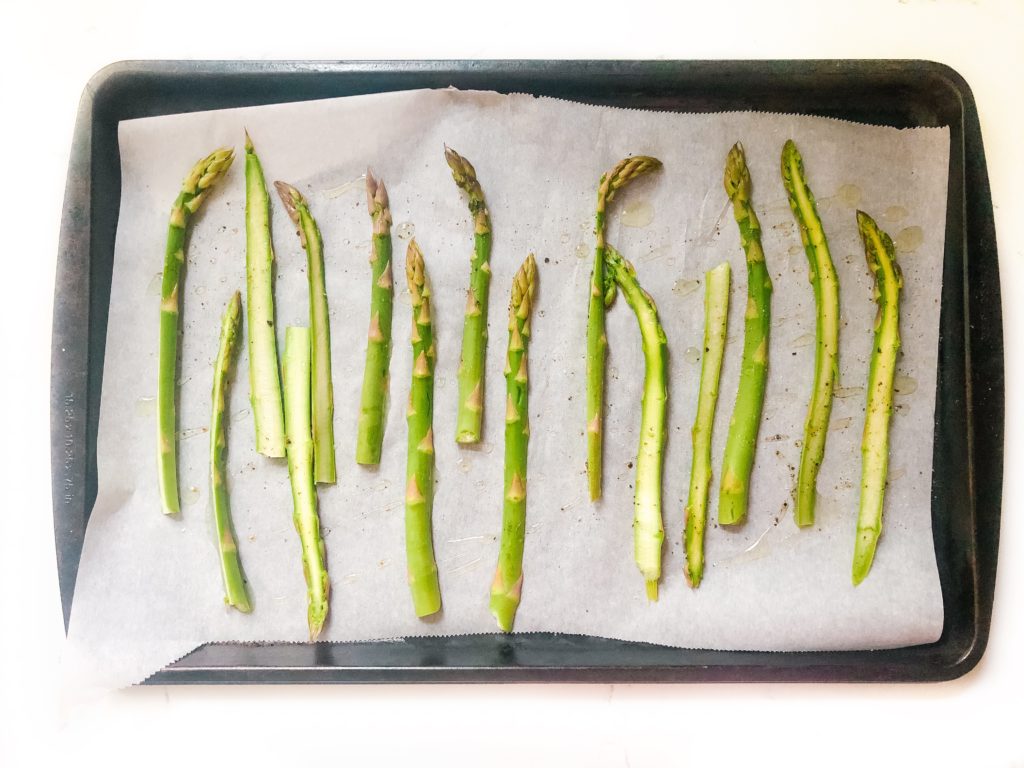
(716, 316)
(378, 342)
(235, 593)
(194, 190)
(507, 586)
(648, 532)
(826, 357)
(741, 444)
(299, 437)
(881, 258)
(468, 424)
(602, 294)
(264, 382)
(324, 469)
(419, 490)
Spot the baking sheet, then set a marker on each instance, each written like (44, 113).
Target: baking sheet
(149, 589)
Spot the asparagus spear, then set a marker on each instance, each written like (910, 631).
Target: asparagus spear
(602, 294)
(378, 344)
(826, 357)
(716, 316)
(264, 383)
(324, 469)
(648, 533)
(474, 332)
(194, 190)
(507, 586)
(741, 443)
(231, 567)
(299, 439)
(419, 491)
(881, 258)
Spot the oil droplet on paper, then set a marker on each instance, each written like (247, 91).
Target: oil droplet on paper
(895, 213)
(895, 475)
(358, 183)
(145, 406)
(185, 434)
(908, 239)
(804, 340)
(691, 355)
(838, 424)
(153, 288)
(487, 447)
(685, 287)
(200, 290)
(239, 415)
(405, 230)
(848, 391)
(582, 249)
(637, 214)
(564, 238)
(793, 250)
(904, 385)
(190, 495)
(849, 195)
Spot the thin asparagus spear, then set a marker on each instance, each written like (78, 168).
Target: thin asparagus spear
(468, 424)
(507, 586)
(264, 382)
(881, 258)
(741, 444)
(648, 532)
(602, 294)
(378, 344)
(230, 565)
(194, 190)
(419, 490)
(716, 316)
(826, 357)
(324, 469)
(299, 438)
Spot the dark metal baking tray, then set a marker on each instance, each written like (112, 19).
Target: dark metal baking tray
(968, 450)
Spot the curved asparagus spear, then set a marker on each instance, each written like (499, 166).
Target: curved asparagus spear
(419, 490)
(602, 294)
(194, 190)
(378, 344)
(507, 586)
(741, 444)
(881, 258)
(648, 532)
(826, 357)
(324, 469)
(235, 593)
(299, 435)
(474, 332)
(264, 382)
(716, 316)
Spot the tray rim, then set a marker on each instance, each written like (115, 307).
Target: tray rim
(70, 376)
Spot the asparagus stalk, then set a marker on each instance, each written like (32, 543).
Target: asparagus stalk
(741, 444)
(235, 593)
(716, 316)
(378, 344)
(194, 190)
(648, 532)
(299, 438)
(826, 357)
(324, 469)
(474, 332)
(419, 491)
(507, 586)
(881, 258)
(264, 382)
(602, 294)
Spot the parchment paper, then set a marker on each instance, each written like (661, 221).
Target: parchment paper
(149, 588)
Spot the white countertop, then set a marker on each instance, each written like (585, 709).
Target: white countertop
(49, 52)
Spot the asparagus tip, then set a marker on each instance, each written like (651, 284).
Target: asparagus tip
(291, 197)
(248, 142)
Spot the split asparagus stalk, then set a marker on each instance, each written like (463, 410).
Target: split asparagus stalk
(324, 469)
(299, 436)
(716, 317)
(235, 593)
(602, 294)
(264, 382)
(826, 356)
(507, 586)
(648, 531)
(881, 258)
(378, 341)
(419, 490)
(194, 191)
(469, 419)
(741, 444)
